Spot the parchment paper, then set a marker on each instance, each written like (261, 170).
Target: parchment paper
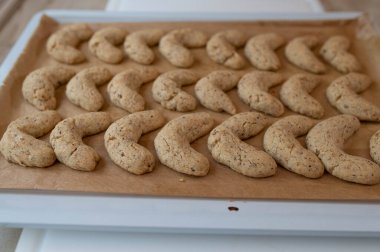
(221, 182)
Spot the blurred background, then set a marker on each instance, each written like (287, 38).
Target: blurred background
(15, 14)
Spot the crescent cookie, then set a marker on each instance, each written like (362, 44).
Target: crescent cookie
(298, 51)
(343, 95)
(137, 45)
(39, 86)
(103, 44)
(66, 139)
(294, 93)
(226, 145)
(260, 50)
(62, 44)
(124, 86)
(335, 51)
(167, 90)
(174, 46)
(253, 90)
(221, 48)
(82, 89)
(173, 148)
(122, 136)
(326, 140)
(280, 141)
(210, 90)
(19, 144)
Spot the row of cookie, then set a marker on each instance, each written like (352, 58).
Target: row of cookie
(221, 48)
(324, 142)
(38, 89)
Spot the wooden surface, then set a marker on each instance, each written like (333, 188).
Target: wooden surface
(15, 14)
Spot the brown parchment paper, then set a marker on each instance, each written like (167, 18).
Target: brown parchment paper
(221, 182)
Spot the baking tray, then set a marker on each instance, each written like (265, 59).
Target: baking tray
(76, 210)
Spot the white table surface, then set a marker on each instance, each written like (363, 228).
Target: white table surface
(34, 240)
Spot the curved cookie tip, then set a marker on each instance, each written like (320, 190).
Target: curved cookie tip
(221, 48)
(210, 90)
(137, 45)
(39, 86)
(326, 140)
(294, 93)
(66, 139)
(280, 141)
(167, 90)
(226, 145)
(173, 148)
(82, 89)
(374, 147)
(62, 44)
(103, 44)
(19, 144)
(122, 136)
(260, 50)
(298, 52)
(335, 52)
(342, 94)
(174, 46)
(253, 90)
